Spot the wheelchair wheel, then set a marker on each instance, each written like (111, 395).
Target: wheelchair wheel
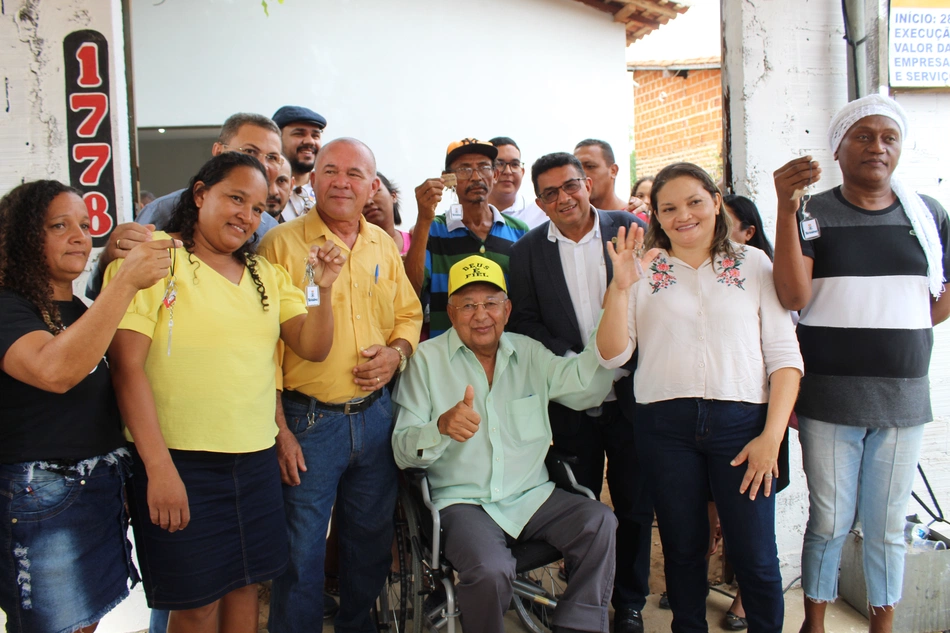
(399, 599)
(536, 596)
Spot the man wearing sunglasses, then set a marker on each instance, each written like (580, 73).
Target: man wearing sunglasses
(473, 226)
(559, 274)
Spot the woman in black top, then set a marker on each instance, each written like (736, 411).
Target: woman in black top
(64, 556)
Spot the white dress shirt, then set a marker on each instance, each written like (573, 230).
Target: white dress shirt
(585, 271)
(527, 211)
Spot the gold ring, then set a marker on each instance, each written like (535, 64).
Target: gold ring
(117, 244)
(378, 379)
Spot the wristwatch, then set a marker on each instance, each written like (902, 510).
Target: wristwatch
(403, 359)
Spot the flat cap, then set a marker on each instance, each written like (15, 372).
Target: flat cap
(298, 114)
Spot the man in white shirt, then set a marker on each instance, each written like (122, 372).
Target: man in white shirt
(506, 194)
(301, 131)
(559, 273)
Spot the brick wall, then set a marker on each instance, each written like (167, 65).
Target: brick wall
(678, 119)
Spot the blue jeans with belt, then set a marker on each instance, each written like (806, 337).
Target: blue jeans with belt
(349, 461)
(686, 445)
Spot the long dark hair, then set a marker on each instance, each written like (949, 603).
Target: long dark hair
(657, 237)
(748, 215)
(394, 192)
(636, 185)
(23, 267)
(185, 215)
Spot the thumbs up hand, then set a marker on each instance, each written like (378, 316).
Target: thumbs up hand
(461, 421)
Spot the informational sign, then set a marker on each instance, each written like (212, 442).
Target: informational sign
(919, 45)
(89, 128)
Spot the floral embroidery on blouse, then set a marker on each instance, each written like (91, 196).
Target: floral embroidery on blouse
(662, 276)
(729, 272)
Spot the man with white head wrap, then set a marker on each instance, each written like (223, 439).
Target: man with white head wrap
(870, 286)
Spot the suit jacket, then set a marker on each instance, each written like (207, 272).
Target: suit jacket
(542, 307)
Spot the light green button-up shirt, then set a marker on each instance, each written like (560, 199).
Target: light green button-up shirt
(500, 468)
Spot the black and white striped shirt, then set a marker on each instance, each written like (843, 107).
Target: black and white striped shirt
(866, 334)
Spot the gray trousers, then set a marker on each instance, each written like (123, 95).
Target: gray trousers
(584, 532)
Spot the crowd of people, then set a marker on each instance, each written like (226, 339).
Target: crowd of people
(250, 372)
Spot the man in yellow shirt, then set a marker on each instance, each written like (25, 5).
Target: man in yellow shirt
(334, 443)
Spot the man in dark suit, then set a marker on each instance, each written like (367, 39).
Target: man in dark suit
(559, 272)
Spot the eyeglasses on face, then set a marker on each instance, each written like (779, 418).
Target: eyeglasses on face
(492, 306)
(551, 194)
(465, 173)
(272, 158)
(501, 165)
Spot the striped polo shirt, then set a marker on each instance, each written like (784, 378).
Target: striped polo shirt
(866, 334)
(450, 241)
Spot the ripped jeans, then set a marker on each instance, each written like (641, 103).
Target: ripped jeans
(65, 559)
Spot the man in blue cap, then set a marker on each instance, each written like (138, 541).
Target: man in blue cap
(301, 131)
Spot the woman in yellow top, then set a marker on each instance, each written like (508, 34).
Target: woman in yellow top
(194, 372)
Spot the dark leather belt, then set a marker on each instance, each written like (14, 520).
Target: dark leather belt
(357, 405)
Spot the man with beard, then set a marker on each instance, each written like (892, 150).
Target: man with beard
(471, 227)
(506, 194)
(277, 199)
(301, 130)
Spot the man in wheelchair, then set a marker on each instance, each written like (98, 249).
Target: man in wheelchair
(472, 408)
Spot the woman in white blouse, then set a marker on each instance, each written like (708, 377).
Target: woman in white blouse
(717, 378)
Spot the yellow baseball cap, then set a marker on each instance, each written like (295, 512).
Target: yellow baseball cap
(476, 269)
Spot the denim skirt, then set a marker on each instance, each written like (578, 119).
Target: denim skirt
(237, 535)
(65, 560)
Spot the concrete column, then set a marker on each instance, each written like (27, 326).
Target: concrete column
(784, 76)
(34, 124)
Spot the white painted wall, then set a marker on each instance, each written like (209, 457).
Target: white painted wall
(406, 77)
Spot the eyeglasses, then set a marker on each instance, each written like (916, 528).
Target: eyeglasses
(492, 306)
(465, 173)
(501, 165)
(551, 194)
(273, 159)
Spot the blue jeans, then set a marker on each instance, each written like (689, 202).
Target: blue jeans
(855, 469)
(350, 460)
(158, 621)
(65, 560)
(686, 445)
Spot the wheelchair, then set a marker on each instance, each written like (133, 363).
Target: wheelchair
(419, 594)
